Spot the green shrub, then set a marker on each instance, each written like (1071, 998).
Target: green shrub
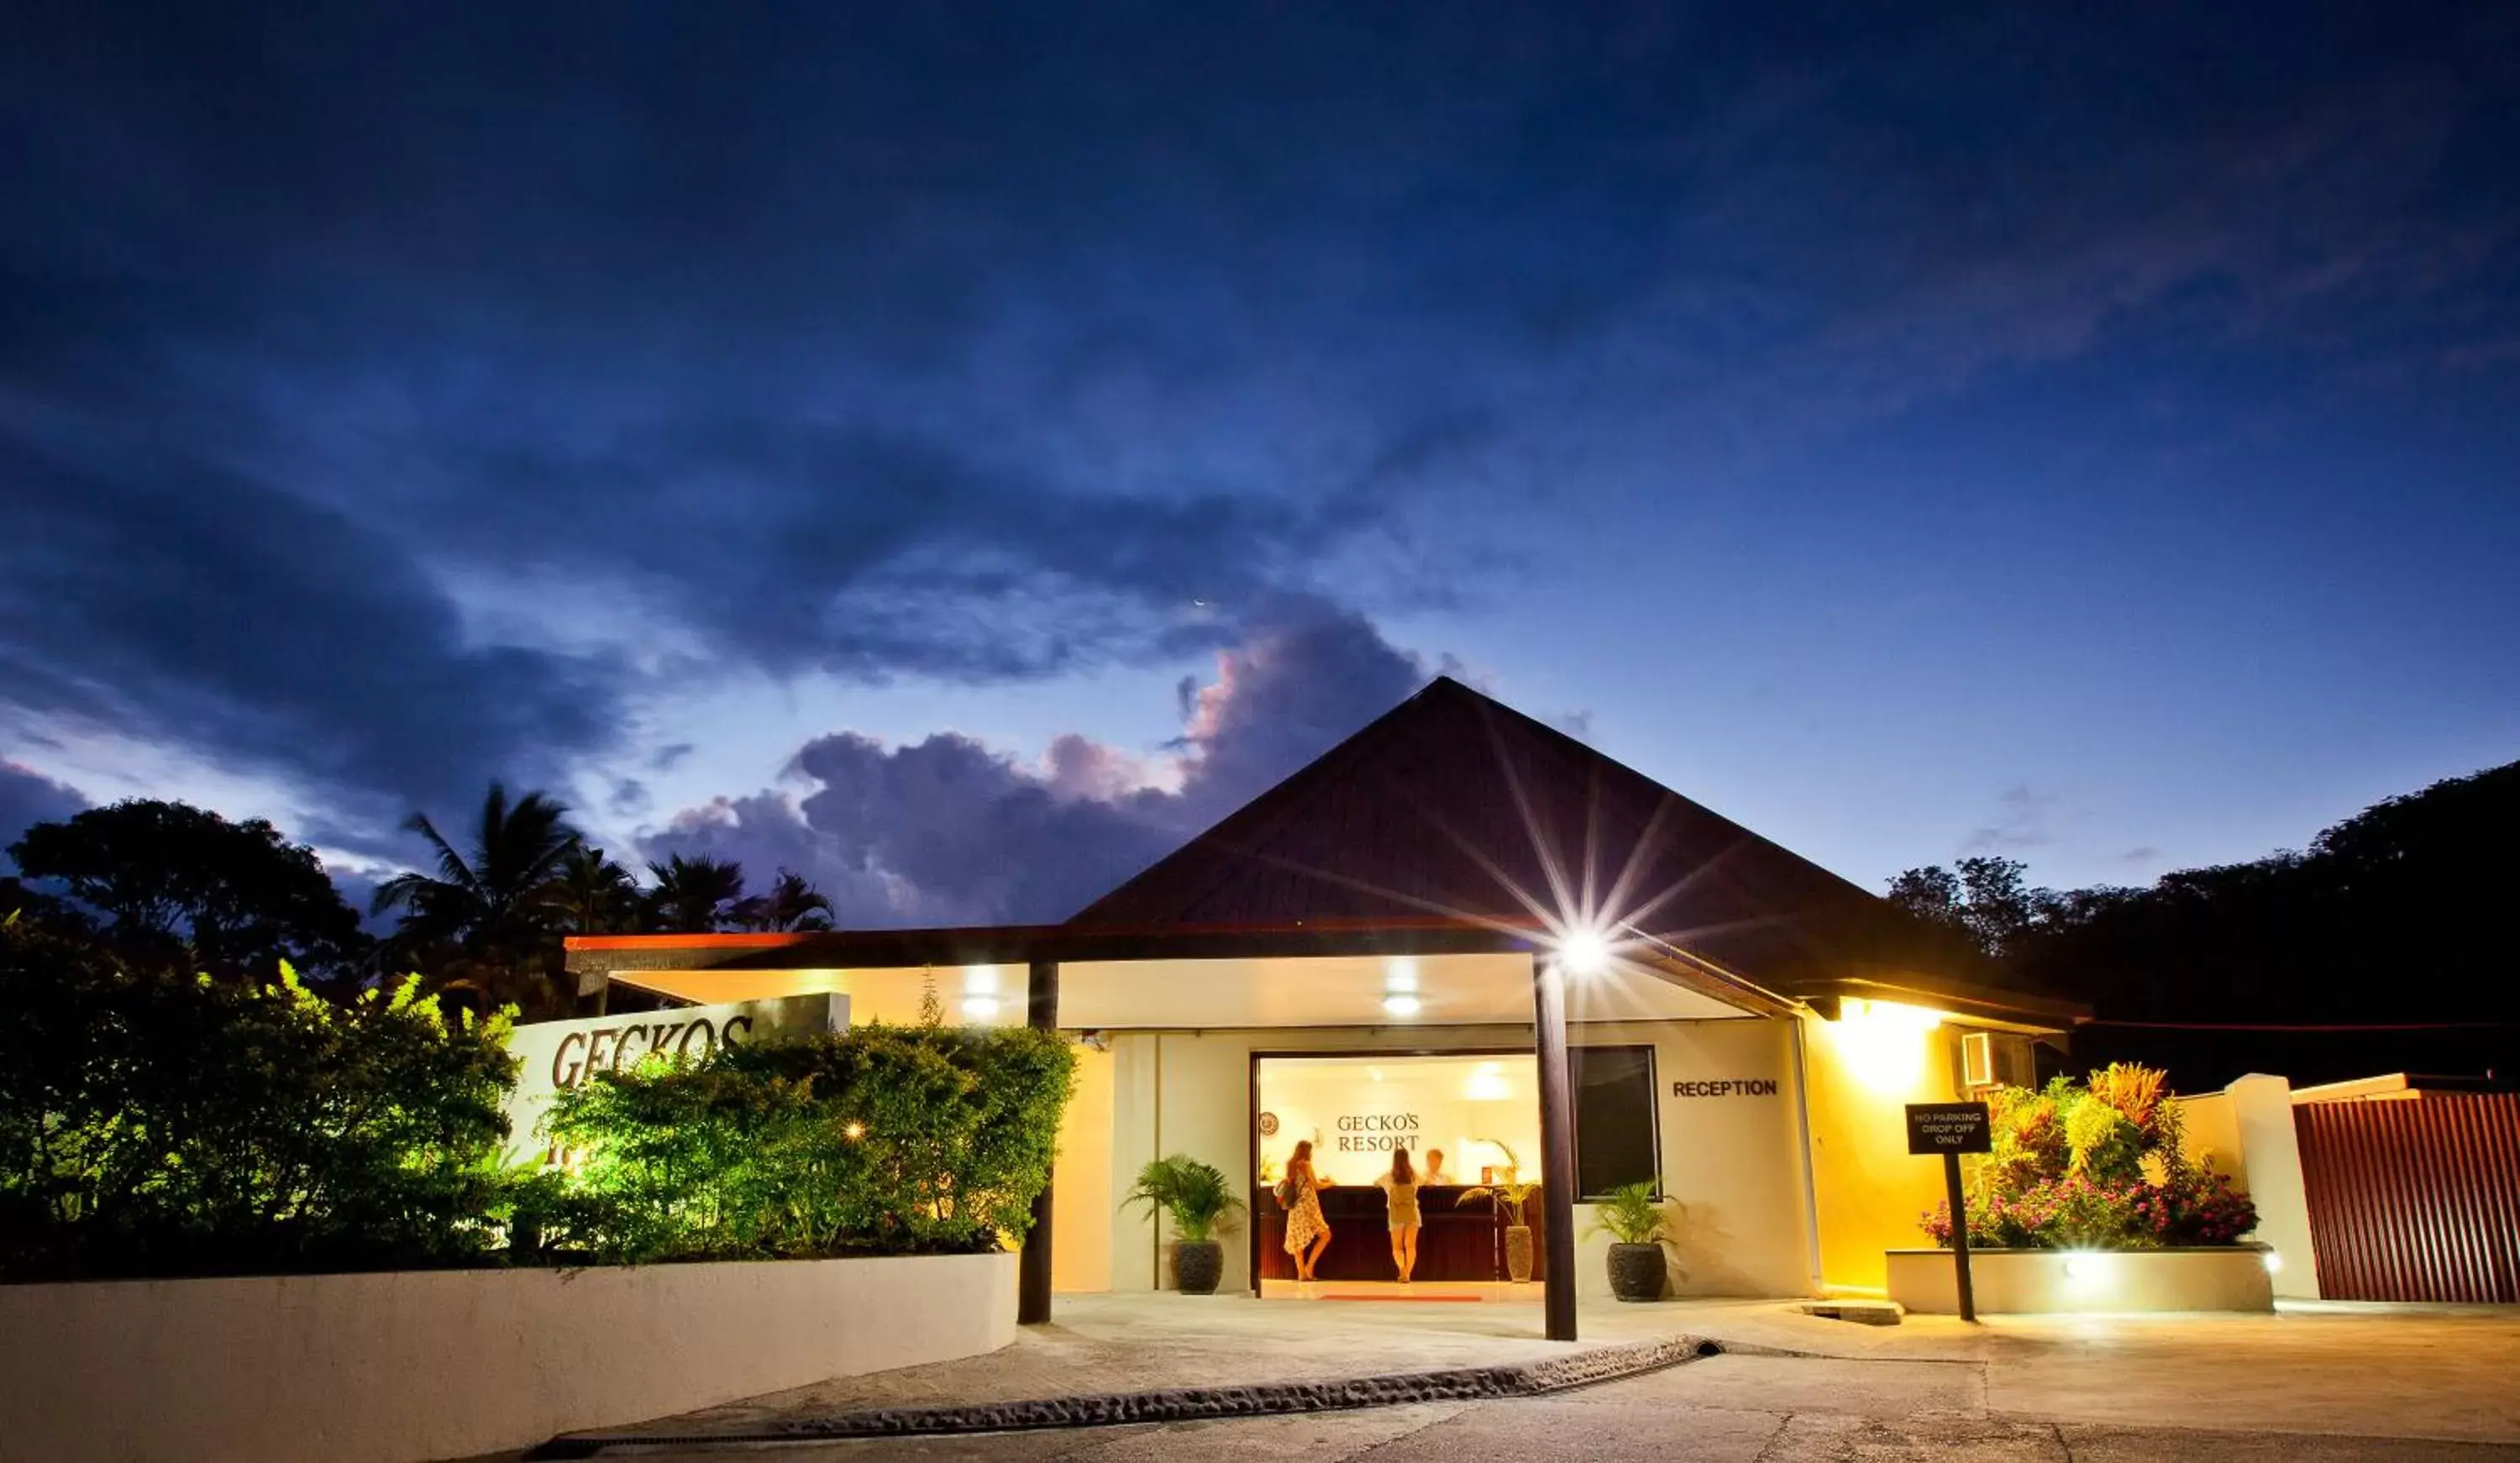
(879, 1139)
(157, 1124)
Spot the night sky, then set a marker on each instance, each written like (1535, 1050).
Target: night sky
(958, 450)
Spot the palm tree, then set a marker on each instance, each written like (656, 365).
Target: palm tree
(792, 904)
(591, 895)
(483, 921)
(690, 893)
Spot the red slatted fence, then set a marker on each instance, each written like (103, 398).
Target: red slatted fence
(2415, 1198)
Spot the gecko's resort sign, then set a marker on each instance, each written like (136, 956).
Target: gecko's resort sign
(554, 1056)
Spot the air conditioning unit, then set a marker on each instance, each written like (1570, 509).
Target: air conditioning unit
(1990, 1059)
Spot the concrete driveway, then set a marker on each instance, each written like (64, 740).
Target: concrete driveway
(2312, 1381)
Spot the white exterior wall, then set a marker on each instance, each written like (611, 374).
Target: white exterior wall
(400, 1367)
(1733, 1161)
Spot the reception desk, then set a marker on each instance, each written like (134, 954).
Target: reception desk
(1455, 1242)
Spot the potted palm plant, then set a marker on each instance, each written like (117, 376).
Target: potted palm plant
(1510, 1194)
(1631, 1216)
(1201, 1204)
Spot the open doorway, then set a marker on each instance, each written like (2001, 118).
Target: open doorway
(1478, 1110)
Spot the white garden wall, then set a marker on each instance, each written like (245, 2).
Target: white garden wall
(2046, 1281)
(402, 1367)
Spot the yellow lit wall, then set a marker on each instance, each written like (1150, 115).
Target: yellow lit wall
(1080, 1217)
(1863, 1071)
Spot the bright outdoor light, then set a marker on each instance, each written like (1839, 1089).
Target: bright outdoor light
(854, 1132)
(1882, 1043)
(979, 1007)
(1400, 975)
(2275, 1263)
(1400, 1003)
(1583, 952)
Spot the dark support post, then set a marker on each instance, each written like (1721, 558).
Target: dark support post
(1032, 1303)
(1556, 1143)
(1960, 1234)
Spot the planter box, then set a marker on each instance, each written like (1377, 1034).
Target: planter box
(2033, 1281)
(400, 1367)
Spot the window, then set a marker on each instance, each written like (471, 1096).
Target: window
(1615, 1138)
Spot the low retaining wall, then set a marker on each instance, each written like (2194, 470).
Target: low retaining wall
(404, 1368)
(2031, 1281)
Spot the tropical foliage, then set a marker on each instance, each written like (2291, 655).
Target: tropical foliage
(881, 1139)
(158, 1124)
(2095, 1165)
(1631, 1213)
(1196, 1195)
(1509, 1193)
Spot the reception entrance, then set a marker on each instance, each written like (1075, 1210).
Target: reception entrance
(1477, 1114)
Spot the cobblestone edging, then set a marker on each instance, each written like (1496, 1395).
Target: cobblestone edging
(1185, 1403)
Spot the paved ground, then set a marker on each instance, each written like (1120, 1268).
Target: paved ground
(2317, 1382)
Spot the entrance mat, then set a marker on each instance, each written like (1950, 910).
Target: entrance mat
(1184, 1403)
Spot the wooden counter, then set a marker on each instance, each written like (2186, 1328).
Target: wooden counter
(1455, 1242)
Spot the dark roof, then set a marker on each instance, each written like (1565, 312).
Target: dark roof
(1452, 802)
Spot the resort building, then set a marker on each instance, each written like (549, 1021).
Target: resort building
(1458, 930)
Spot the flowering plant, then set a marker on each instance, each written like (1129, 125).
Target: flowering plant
(2096, 1167)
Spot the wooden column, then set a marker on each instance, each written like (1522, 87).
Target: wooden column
(1032, 1303)
(1557, 1144)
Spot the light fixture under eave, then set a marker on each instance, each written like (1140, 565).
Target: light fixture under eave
(1583, 952)
(1401, 1003)
(980, 1008)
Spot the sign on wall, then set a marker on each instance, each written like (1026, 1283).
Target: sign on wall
(554, 1056)
(1732, 1086)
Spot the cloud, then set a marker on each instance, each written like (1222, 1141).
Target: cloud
(183, 606)
(468, 389)
(947, 830)
(27, 798)
(2021, 822)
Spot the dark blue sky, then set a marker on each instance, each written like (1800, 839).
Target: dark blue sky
(2090, 436)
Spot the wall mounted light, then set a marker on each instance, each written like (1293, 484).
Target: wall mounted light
(1401, 1003)
(980, 993)
(1882, 1043)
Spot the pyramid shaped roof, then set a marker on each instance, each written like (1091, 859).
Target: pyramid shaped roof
(1455, 805)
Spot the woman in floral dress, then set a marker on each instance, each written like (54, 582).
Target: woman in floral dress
(1308, 1234)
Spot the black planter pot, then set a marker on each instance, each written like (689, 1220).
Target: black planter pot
(1636, 1272)
(1199, 1264)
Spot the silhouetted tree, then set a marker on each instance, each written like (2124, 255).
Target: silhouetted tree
(176, 884)
(1989, 901)
(694, 894)
(591, 895)
(792, 904)
(484, 923)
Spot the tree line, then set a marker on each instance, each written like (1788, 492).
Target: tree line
(2399, 916)
(167, 884)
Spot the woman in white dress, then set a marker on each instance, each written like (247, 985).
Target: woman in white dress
(1308, 1233)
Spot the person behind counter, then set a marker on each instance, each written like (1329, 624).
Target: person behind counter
(1308, 1234)
(1400, 1192)
(1434, 1175)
